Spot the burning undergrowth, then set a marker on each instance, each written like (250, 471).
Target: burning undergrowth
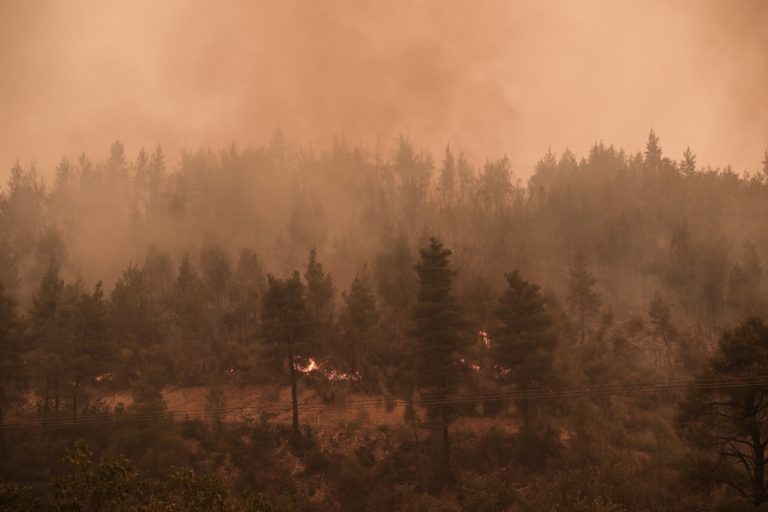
(324, 370)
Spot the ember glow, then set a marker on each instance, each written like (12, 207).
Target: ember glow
(311, 366)
(486, 339)
(328, 371)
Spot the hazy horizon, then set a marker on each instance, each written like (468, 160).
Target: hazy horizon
(491, 79)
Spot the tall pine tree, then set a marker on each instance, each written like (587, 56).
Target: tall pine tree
(285, 323)
(524, 342)
(10, 363)
(438, 331)
(584, 299)
(359, 320)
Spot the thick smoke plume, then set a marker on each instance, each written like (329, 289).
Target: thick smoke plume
(490, 78)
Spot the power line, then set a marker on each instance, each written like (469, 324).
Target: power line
(369, 403)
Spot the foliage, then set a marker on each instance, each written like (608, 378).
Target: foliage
(733, 421)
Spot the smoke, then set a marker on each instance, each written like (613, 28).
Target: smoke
(489, 78)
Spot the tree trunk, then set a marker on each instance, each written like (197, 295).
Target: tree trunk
(582, 327)
(74, 400)
(758, 481)
(294, 395)
(2, 433)
(446, 441)
(47, 397)
(523, 407)
(56, 394)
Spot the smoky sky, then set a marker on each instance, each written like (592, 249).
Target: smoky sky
(487, 77)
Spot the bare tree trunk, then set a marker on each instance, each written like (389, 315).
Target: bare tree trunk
(74, 400)
(47, 397)
(56, 394)
(2, 433)
(294, 394)
(758, 480)
(446, 440)
(523, 407)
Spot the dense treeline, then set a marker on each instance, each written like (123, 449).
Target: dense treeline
(403, 278)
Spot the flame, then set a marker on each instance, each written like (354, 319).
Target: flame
(486, 339)
(328, 372)
(312, 366)
(105, 377)
(473, 366)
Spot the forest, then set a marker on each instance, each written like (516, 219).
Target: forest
(282, 328)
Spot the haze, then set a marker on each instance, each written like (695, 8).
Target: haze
(490, 78)
(425, 255)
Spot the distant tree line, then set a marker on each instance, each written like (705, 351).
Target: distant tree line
(418, 281)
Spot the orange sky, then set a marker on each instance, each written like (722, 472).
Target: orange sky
(489, 77)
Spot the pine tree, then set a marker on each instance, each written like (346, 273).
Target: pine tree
(130, 316)
(90, 353)
(524, 342)
(358, 320)
(187, 309)
(286, 323)
(661, 318)
(765, 164)
(652, 150)
(688, 165)
(745, 282)
(585, 300)
(448, 179)
(732, 422)
(394, 282)
(246, 292)
(320, 290)
(49, 331)
(682, 264)
(11, 376)
(216, 271)
(438, 331)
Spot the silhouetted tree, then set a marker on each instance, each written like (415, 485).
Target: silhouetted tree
(90, 353)
(524, 343)
(448, 179)
(49, 333)
(246, 293)
(765, 164)
(652, 150)
(320, 292)
(584, 299)
(217, 272)
(11, 371)
(394, 281)
(413, 171)
(286, 323)
(438, 330)
(661, 318)
(358, 320)
(688, 164)
(682, 264)
(130, 316)
(733, 421)
(744, 283)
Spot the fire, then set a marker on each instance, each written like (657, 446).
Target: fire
(312, 366)
(486, 339)
(327, 371)
(472, 366)
(339, 375)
